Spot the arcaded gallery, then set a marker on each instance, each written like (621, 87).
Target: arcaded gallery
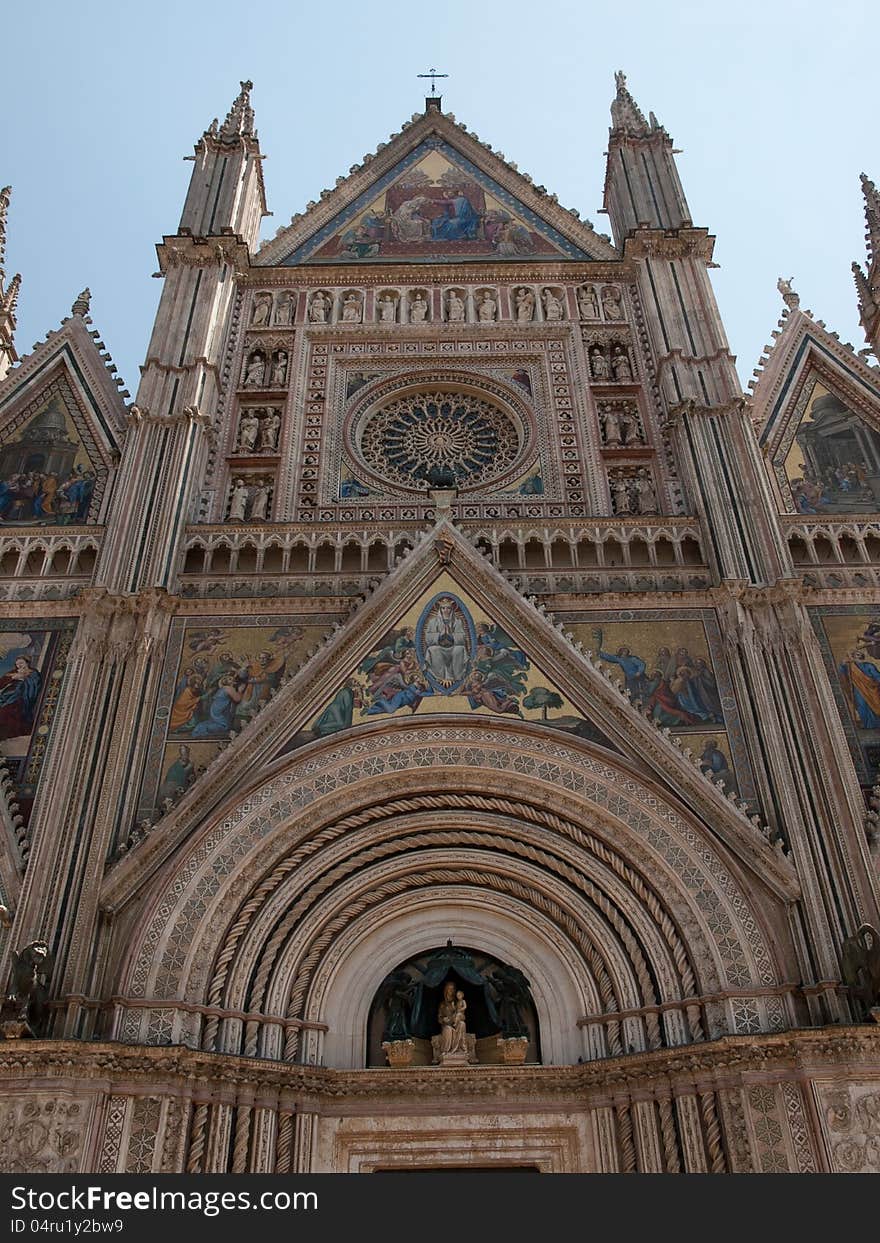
(440, 714)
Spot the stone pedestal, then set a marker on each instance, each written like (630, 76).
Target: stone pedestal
(466, 1058)
(512, 1049)
(399, 1053)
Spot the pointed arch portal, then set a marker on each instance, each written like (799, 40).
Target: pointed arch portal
(270, 932)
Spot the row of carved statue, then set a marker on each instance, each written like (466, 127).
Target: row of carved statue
(264, 369)
(632, 492)
(458, 305)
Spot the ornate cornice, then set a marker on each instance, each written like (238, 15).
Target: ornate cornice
(191, 1073)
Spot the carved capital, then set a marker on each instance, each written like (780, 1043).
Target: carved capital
(115, 627)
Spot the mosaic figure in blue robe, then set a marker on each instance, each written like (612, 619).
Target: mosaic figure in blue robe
(458, 223)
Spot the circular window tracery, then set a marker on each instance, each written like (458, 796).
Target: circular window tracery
(411, 439)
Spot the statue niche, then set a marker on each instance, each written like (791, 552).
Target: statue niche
(453, 1007)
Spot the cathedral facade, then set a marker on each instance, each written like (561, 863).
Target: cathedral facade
(440, 716)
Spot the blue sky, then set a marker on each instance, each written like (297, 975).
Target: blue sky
(773, 105)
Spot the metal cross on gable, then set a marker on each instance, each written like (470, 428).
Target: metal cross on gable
(432, 74)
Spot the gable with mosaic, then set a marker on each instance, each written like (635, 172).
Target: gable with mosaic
(435, 204)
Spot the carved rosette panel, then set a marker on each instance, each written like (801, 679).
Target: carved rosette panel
(850, 1117)
(143, 1134)
(42, 1134)
(779, 1129)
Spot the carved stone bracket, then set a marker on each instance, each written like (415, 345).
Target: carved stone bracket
(670, 244)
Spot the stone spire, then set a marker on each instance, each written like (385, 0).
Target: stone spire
(642, 187)
(239, 121)
(226, 192)
(8, 295)
(868, 282)
(626, 115)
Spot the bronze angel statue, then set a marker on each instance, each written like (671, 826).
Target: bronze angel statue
(860, 961)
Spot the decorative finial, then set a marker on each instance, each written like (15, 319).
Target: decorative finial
(239, 121)
(432, 101)
(789, 297)
(82, 303)
(625, 112)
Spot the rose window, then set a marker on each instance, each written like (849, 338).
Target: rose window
(413, 438)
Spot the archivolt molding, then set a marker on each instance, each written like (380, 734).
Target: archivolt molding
(262, 894)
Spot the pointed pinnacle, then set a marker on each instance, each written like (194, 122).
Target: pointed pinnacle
(240, 118)
(625, 112)
(81, 305)
(872, 217)
(5, 194)
(9, 300)
(867, 305)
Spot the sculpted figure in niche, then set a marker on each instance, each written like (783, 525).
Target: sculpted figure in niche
(260, 502)
(387, 309)
(403, 996)
(418, 310)
(279, 369)
(351, 309)
(598, 364)
(630, 431)
(622, 495)
(248, 430)
(588, 302)
(525, 306)
(451, 1017)
(611, 303)
(284, 309)
(487, 309)
(511, 991)
(646, 493)
(553, 309)
(262, 308)
(318, 308)
(620, 364)
(238, 501)
(611, 428)
(454, 307)
(269, 429)
(255, 371)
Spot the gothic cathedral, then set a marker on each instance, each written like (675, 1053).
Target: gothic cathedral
(440, 716)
